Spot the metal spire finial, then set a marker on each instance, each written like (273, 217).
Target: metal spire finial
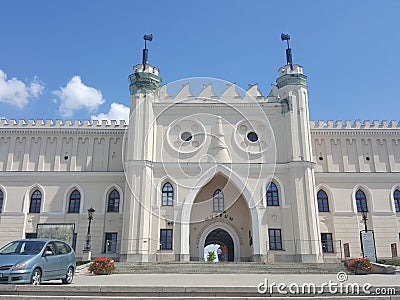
(286, 37)
(146, 37)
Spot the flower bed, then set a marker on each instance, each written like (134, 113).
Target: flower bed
(360, 265)
(102, 265)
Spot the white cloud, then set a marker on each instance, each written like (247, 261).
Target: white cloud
(117, 112)
(36, 87)
(76, 95)
(15, 92)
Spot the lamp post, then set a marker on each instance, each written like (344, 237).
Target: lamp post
(90, 218)
(364, 215)
(87, 253)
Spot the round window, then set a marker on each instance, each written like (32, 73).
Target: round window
(252, 136)
(186, 136)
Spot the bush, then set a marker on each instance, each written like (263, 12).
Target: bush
(82, 262)
(360, 265)
(102, 265)
(393, 261)
(211, 256)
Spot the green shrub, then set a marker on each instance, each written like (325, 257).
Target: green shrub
(211, 256)
(392, 261)
(82, 262)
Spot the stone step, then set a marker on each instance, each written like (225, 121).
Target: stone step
(244, 268)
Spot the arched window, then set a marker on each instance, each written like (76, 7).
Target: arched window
(167, 194)
(396, 196)
(361, 201)
(272, 195)
(1, 200)
(323, 204)
(218, 201)
(36, 201)
(74, 202)
(113, 201)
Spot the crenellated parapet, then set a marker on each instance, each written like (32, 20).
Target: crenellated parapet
(230, 92)
(357, 124)
(95, 124)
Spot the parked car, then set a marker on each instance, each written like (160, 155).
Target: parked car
(36, 260)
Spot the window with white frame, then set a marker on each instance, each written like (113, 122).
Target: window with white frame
(74, 202)
(327, 242)
(272, 195)
(323, 203)
(361, 201)
(166, 239)
(1, 200)
(218, 201)
(167, 195)
(36, 202)
(396, 197)
(113, 201)
(275, 239)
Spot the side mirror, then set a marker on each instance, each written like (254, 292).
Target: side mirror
(48, 253)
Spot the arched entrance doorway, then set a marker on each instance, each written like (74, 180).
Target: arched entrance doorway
(222, 238)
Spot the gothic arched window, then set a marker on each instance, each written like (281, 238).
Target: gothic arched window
(218, 201)
(167, 194)
(36, 201)
(323, 204)
(1, 200)
(396, 196)
(272, 195)
(113, 201)
(74, 202)
(361, 201)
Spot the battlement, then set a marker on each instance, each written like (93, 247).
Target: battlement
(357, 124)
(229, 92)
(67, 124)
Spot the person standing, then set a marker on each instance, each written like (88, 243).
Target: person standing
(225, 253)
(219, 253)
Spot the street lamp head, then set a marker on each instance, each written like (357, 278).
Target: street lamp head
(285, 37)
(148, 37)
(364, 214)
(91, 211)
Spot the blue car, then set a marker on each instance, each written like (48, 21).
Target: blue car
(36, 260)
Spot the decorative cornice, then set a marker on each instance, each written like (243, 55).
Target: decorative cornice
(395, 131)
(65, 124)
(55, 131)
(357, 125)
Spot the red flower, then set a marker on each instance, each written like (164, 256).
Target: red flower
(102, 265)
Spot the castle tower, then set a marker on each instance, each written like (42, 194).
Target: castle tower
(144, 84)
(292, 92)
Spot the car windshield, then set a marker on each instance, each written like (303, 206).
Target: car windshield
(22, 248)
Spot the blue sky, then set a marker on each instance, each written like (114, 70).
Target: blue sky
(72, 59)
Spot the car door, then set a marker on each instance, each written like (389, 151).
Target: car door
(50, 264)
(63, 259)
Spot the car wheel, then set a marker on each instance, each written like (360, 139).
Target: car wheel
(36, 277)
(69, 276)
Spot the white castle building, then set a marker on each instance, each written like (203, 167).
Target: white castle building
(239, 169)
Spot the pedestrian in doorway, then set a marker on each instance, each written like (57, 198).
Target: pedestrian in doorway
(225, 253)
(219, 253)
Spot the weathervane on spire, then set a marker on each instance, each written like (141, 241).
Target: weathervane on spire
(286, 37)
(146, 37)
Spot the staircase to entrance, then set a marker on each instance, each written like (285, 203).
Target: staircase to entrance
(229, 268)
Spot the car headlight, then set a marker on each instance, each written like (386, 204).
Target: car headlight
(19, 266)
